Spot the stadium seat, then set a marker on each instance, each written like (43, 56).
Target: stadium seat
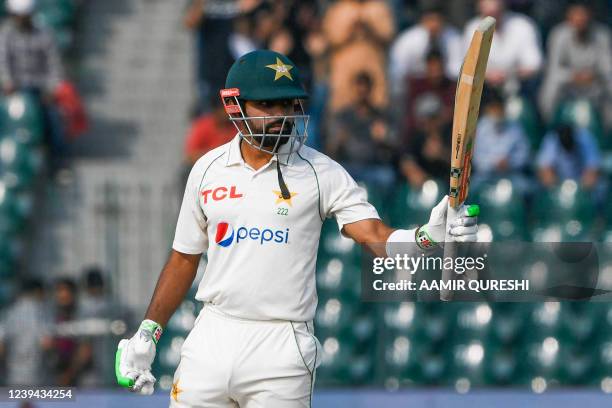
(23, 111)
(501, 365)
(403, 360)
(334, 317)
(58, 17)
(467, 363)
(508, 323)
(503, 210)
(564, 213)
(412, 207)
(405, 318)
(334, 368)
(580, 321)
(472, 321)
(19, 158)
(338, 277)
(433, 367)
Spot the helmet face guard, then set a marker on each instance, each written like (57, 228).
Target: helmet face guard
(293, 128)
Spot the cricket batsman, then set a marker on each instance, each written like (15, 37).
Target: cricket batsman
(255, 206)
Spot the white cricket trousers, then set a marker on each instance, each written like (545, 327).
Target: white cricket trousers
(232, 362)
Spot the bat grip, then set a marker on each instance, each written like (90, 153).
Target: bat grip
(450, 251)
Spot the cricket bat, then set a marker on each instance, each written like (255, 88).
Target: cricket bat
(465, 118)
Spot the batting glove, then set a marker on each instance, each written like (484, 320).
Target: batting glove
(135, 356)
(463, 227)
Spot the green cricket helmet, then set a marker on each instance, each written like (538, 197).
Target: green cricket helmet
(265, 75)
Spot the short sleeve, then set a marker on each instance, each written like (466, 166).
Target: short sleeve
(191, 228)
(343, 199)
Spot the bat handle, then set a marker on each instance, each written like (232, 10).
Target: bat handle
(450, 251)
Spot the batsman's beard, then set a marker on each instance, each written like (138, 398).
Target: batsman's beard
(272, 136)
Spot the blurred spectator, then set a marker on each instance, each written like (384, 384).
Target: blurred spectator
(569, 153)
(70, 357)
(358, 33)
(408, 55)
(29, 58)
(25, 336)
(95, 304)
(580, 63)
(212, 22)
(30, 62)
(432, 84)
(502, 148)
(94, 301)
(428, 153)
(360, 137)
(301, 18)
(515, 53)
(208, 131)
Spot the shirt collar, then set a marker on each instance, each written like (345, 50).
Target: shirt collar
(234, 156)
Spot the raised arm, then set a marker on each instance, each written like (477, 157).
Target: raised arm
(383, 240)
(371, 233)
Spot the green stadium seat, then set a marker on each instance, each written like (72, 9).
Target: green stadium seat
(580, 321)
(334, 317)
(338, 277)
(507, 325)
(543, 320)
(334, 368)
(472, 321)
(577, 365)
(467, 366)
(405, 318)
(411, 207)
(503, 210)
(402, 357)
(336, 245)
(541, 358)
(23, 111)
(433, 367)
(564, 213)
(20, 158)
(501, 366)
(438, 321)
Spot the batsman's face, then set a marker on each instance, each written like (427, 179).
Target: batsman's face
(270, 126)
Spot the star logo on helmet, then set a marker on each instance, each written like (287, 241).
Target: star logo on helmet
(282, 70)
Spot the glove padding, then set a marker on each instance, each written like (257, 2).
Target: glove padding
(463, 228)
(134, 358)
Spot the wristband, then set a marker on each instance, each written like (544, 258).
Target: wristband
(423, 239)
(150, 329)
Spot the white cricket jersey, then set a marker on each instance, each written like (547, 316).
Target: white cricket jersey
(262, 249)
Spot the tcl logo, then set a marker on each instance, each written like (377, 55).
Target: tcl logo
(220, 193)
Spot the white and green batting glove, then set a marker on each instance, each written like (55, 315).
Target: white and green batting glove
(134, 358)
(463, 228)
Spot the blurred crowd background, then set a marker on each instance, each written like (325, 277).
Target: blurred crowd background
(381, 77)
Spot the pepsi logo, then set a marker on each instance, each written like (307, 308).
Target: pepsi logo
(224, 235)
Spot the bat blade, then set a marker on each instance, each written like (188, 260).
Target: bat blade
(465, 118)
